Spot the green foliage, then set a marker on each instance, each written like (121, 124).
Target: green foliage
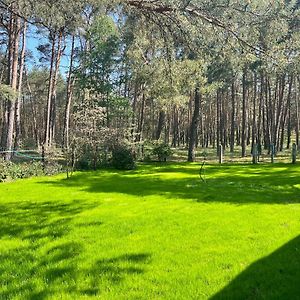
(99, 63)
(6, 92)
(123, 158)
(88, 159)
(163, 151)
(11, 171)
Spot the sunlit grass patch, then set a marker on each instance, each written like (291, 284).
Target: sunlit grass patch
(157, 232)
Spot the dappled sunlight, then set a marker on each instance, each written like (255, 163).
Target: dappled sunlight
(37, 253)
(106, 233)
(239, 184)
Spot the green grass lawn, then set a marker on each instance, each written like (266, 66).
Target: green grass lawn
(154, 233)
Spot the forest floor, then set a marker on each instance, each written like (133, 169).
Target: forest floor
(157, 232)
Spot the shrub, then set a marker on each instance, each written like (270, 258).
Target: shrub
(88, 158)
(163, 151)
(122, 158)
(4, 170)
(52, 168)
(10, 171)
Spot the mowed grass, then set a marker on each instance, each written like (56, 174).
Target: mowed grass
(157, 232)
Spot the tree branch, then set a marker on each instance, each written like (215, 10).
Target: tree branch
(192, 11)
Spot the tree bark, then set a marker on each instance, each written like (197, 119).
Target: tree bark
(161, 123)
(244, 114)
(193, 127)
(254, 125)
(50, 88)
(232, 129)
(13, 77)
(69, 98)
(54, 88)
(19, 99)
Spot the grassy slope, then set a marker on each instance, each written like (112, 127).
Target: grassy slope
(154, 233)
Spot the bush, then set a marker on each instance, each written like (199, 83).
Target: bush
(52, 168)
(123, 158)
(88, 158)
(163, 151)
(10, 171)
(4, 170)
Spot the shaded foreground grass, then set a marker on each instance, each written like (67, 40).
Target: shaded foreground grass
(154, 233)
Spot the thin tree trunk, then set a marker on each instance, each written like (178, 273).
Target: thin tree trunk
(193, 127)
(218, 107)
(289, 126)
(279, 112)
(69, 98)
(50, 88)
(260, 113)
(297, 119)
(244, 115)
(19, 99)
(33, 112)
(254, 126)
(161, 123)
(15, 31)
(285, 113)
(232, 129)
(54, 88)
(139, 136)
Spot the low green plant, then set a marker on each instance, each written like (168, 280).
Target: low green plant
(123, 158)
(11, 171)
(162, 151)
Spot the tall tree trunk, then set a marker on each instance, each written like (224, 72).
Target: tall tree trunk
(194, 126)
(254, 125)
(19, 99)
(271, 111)
(13, 77)
(69, 98)
(10, 46)
(260, 112)
(50, 89)
(161, 123)
(54, 88)
(134, 105)
(140, 128)
(297, 127)
(218, 117)
(176, 140)
(244, 114)
(266, 117)
(232, 129)
(33, 112)
(285, 113)
(289, 125)
(279, 111)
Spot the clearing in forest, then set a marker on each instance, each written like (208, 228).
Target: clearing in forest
(157, 232)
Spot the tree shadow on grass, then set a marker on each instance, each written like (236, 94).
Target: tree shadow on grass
(21, 268)
(35, 221)
(228, 183)
(31, 226)
(114, 270)
(38, 251)
(276, 276)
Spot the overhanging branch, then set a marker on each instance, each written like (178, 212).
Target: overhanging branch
(192, 11)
